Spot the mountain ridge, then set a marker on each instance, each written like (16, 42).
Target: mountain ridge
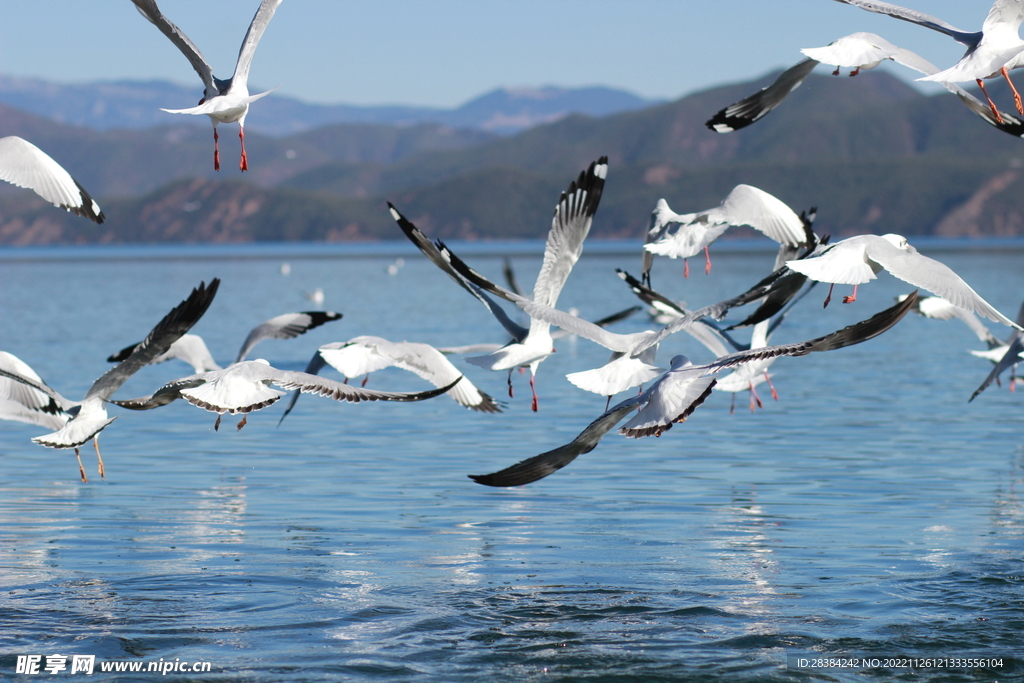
(872, 153)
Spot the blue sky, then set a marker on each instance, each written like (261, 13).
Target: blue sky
(445, 52)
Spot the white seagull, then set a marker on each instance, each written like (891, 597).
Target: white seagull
(990, 52)
(683, 235)
(856, 51)
(89, 416)
(193, 350)
(570, 225)
(246, 387)
(858, 259)
(25, 165)
(365, 354)
(223, 101)
(676, 394)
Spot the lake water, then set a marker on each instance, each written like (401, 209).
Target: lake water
(871, 514)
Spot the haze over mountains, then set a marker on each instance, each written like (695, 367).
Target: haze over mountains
(872, 153)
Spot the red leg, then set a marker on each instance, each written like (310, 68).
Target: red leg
(241, 423)
(686, 268)
(1016, 95)
(533, 406)
(365, 380)
(754, 398)
(707, 261)
(829, 297)
(855, 72)
(767, 378)
(99, 458)
(836, 72)
(81, 470)
(216, 425)
(216, 150)
(243, 165)
(853, 297)
(991, 104)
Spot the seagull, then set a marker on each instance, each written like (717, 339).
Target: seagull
(676, 394)
(991, 52)
(246, 387)
(223, 101)
(316, 296)
(856, 51)
(89, 416)
(25, 165)
(858, 259)
(365, 354)
(193, 350)
(570, 225)
(684, 235)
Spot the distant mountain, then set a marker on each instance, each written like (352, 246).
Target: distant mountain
(872, 153)
(107, 105)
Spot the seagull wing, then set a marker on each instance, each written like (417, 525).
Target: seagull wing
(176, 323)
(252, 38)
(911, 266)
(430, 364)
(287, 326)
(971, 39)
(750, 109)
(23, 397)
(432, 252)
(748, 205)
(149, 9)
(313, 384)
(540, 466)
(573, 217)
(25, 165)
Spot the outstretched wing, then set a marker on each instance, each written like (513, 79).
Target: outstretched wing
(149, 9)
(25, 165)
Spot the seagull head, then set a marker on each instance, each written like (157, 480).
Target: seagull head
(898, 241)
(679, 361)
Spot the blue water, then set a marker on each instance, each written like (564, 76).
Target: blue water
(870, 513)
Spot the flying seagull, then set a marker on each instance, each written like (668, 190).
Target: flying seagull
(684, 235)
(858, 259)
(246, 387)
(89, 416)
(25, 165)
(223, 101)
(365, 354)
(856, 51)
(570, 225)
(676, 394)
(991, 52)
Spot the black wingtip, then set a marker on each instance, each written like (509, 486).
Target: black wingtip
(722, 122)
(89, 208)
(318, 318)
